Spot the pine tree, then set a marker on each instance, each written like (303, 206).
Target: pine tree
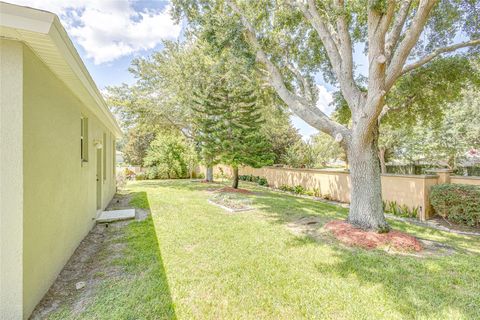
(205, 117)
(229, 121)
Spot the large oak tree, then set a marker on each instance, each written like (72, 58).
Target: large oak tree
(296, 39)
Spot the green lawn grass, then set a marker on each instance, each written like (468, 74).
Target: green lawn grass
(193, 260)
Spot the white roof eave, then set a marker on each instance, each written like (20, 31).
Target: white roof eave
(46, 37)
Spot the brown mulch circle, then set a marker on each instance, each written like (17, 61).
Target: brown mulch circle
(352, 236)
(233, 190)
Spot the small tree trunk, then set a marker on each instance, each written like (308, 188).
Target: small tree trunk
(381, 156)
(209, 174)
(235, 177)
(366, 207)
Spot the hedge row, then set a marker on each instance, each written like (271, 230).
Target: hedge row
(261, 181)
(458, 203)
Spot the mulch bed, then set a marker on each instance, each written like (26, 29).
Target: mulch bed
(352, 236)
(233, 190)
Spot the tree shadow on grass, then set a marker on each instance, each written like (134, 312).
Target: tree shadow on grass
(139, 288)
(441, 287)
(143, 259)
(286, 208)
(417, 288)
(283, 208)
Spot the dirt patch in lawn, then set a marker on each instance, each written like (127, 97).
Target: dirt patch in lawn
(306, 226)
(352, 236)
(92, 263)
(233, 190)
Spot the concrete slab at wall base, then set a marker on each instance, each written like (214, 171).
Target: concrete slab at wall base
(116, 215)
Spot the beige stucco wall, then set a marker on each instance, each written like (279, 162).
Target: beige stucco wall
(465, 180)
(11, 181)
(59, 192)
(409, 190)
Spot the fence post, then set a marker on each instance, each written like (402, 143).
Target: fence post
(443, 175)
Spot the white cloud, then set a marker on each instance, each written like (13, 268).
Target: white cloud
(110, 29)
(325, 98)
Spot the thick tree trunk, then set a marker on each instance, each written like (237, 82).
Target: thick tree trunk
(381, 156)
(366, 207)
(235, 177)
(209, 174)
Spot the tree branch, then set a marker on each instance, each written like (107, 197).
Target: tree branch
(437, 52)
(378, 23)
(394, 35)
(412, 35)
(307, 93)
(337, 44)
(300, 106)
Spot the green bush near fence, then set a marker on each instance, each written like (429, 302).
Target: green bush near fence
(260, 180)
(458, 203)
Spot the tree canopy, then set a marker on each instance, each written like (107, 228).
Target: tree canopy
(293, 41)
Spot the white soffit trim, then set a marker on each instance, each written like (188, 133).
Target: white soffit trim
(46, 37)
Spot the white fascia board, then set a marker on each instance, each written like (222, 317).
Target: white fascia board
(25, 18)
(18, 19)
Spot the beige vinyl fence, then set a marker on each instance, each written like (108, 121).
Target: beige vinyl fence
(410, 190)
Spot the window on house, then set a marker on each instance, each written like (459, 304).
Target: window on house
(84, 139)
(104, 156)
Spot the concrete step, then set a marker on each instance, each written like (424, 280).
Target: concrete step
(116, 215)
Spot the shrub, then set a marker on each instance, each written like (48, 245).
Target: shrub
(262, 181)
(310, 193)
(458, 203)
(400, 210)
(152, 173)
(140, 176)
(170, 156)
(299, 189)
(286, 188)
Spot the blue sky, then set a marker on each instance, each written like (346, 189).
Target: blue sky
(108, 34)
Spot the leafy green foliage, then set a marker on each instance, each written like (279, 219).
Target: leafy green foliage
(278, 130)
(136, 146)
(457, 203)
(299, 155)
(400, 210)
(298, 189)
(170, 156)
(318, 152)
(260, 180)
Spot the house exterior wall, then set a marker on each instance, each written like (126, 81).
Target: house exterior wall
(59, 190)
(11, 180)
